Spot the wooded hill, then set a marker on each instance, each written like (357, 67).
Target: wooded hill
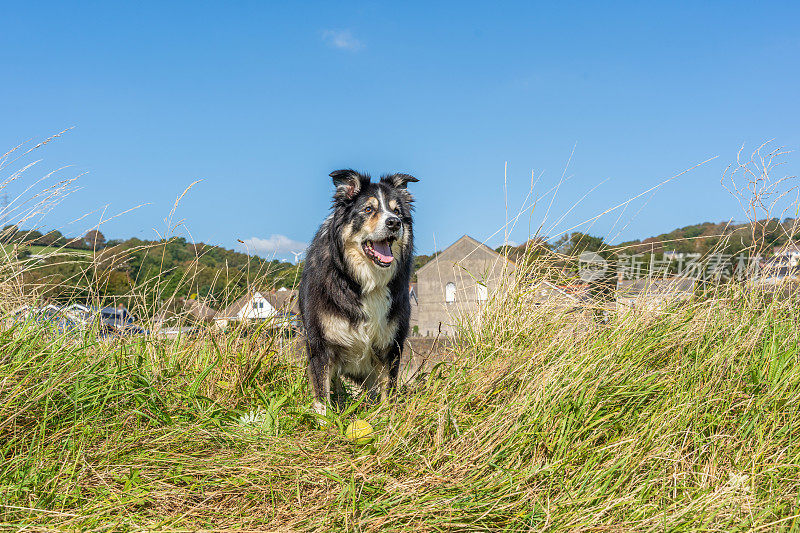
(723, 237)
(65, 270)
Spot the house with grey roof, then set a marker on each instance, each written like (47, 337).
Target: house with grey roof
(569, 298)
(456, 285)
(653, 294)
(788, 253)
(783, 268)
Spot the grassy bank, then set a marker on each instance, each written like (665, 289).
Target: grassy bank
(683, 421)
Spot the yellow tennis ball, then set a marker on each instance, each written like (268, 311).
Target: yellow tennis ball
(359, 431)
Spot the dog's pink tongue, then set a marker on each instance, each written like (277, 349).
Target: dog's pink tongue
(383, 251)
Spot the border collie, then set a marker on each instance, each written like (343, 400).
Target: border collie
(354, 299)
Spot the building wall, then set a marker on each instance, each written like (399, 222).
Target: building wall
(414, 320)
(466, 264)
(262, 312)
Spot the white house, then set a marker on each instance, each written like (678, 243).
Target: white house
(789, 253)
(253, 306)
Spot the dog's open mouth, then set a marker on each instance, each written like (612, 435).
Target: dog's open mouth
(380, 252)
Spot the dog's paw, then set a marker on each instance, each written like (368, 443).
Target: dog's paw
(320, 410)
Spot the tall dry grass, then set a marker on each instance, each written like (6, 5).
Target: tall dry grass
(686, 419)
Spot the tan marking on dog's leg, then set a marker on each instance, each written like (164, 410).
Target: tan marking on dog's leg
(337, 384)
(320, 406)
(383, 381)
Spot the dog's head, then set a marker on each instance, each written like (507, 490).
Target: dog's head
(375, 218)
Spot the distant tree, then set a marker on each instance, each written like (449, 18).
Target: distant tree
(76, 243)
(561, 244)
(115, 283)
(531, 249)
(94, 239)
(51, 238)
(9, 233)
(577, 243)
(419, 262)
(583, 242)
(30, 236)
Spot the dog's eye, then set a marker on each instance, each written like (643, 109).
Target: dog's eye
(368, 210)
(397, 210)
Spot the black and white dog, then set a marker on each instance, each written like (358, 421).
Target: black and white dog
(354, 299)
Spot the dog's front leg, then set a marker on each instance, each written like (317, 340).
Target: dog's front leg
(387, 374)
(384, 381)
(320, 368)
(320, 384)
(391, 370)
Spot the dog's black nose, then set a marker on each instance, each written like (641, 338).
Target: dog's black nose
(393, 223)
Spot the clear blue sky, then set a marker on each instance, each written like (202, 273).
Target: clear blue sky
(262, 100)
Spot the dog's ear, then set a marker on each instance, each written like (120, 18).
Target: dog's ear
(399, 181)
(347, 182)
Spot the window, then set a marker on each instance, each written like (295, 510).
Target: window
(450, 292)
(255, 305)
(483, 293)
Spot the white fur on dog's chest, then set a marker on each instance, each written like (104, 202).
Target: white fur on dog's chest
(377, 329)
(357, 343)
